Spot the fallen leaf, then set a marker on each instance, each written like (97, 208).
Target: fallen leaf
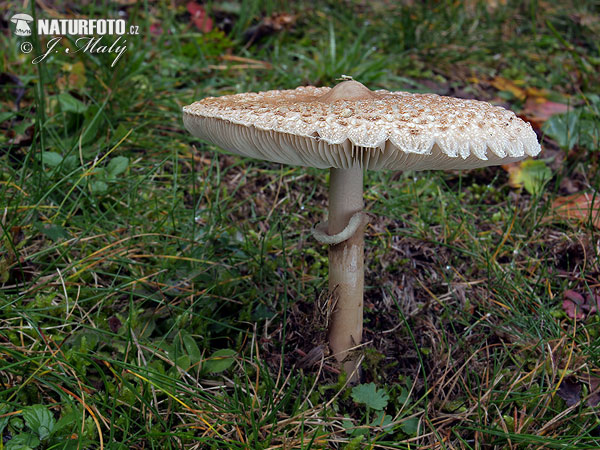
(504, 84)
(72, 77)
(538, 110)
(572, 304)
(580, 206)
(578, 306)
(114, 324)
(570, 186)
(594, 399)
(531, 174)
(536, 94)
(570, 392)
(199, 17)
(269, 25)
(21, 139)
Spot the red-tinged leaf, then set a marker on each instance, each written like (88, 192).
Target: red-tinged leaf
(594, 399)
(572, 309)
(580, 206)
(573, 303)
(578, 306)
(593, 303)
(538, 110)
(156, 29)
(194, 9)
(199, 17)
(570, 392)
(575, 297)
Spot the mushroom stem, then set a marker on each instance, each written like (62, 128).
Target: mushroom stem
(346, 274)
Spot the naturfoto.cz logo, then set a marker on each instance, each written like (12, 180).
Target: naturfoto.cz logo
(91, 32)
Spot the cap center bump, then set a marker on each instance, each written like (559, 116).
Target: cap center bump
(347, 90)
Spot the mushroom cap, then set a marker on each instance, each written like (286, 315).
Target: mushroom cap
(21, 16)
(350, 125)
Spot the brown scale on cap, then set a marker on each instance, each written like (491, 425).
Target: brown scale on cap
(319, 127)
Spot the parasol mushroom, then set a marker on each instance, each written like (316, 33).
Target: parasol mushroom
(348, 129)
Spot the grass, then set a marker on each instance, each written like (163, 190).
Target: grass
(155, 293)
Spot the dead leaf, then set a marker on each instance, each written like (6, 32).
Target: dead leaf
(570, 186)
(536, 94)
(578, 306)
(572, 304)
(114, 324)
(538, 110)
(570, 391)
(269, 25)
(580, 206)
(199, 17)
(72, 77)
(504, 84)
(21, 140)
(594, 399)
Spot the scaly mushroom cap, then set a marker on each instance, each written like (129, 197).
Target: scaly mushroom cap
(350, 125)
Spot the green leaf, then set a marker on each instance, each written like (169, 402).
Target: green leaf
(4, 116)
(51, 159)
(3, 420)
(532, 174)
(403, 397)
(563, 128)
(23, 441)
(68, 103)
(117, 166)
(381, 420)
(219, 361)
(262, 312)
(410, 426)
(370, 396)
(352, 429)
(40, 420)
(589, 133)
(119, 133)
(70, 419)
(53, 231)
(98, 187)
(192, 348)
(355, 443)
(93, 121)
(183, 361)
(70, 162)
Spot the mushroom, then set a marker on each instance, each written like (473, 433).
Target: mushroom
(348, 129)
(22, 21)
